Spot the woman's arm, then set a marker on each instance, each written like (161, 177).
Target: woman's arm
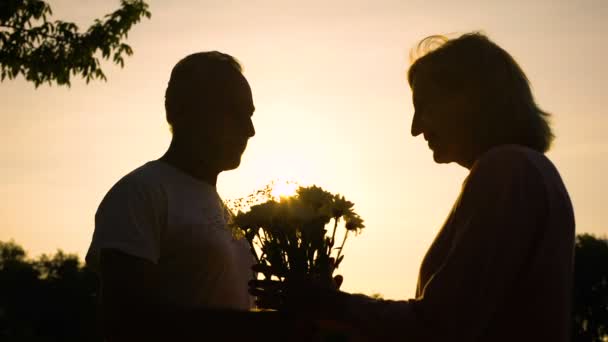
(496, 221)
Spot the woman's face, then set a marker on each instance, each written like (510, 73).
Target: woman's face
(445, 120)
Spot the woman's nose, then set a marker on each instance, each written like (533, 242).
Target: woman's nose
(250, 129)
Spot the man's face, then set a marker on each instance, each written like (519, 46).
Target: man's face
(445, 121)
(220, 136)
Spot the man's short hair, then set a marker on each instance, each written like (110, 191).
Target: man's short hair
(195, 81)
(502, 101)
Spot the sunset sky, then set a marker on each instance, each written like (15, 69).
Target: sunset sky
(333, 108)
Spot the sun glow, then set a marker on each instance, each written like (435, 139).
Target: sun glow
(283, 189)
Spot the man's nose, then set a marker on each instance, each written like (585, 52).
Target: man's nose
(416, 125)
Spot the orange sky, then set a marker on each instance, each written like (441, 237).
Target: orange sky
(333, 109)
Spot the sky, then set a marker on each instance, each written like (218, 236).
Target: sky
(333, 108)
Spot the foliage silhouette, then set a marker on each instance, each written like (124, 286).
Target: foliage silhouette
(51, 51)
(590, 301)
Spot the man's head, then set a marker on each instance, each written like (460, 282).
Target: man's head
(209, 107)
(469, 96)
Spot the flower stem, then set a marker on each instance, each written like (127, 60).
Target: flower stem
(255, 254)
(333, 235)
(342, 246)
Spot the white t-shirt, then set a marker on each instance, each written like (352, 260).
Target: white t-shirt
(178, 222)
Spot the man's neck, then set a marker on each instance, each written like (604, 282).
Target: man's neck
(181, 158)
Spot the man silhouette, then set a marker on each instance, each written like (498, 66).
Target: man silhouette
(160, 243)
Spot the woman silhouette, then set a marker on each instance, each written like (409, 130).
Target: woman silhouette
(500, 269)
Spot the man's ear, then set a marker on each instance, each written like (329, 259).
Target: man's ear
(182, 123)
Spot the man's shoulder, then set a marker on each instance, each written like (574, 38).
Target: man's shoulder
(130, 214)
(141, 182)
(151, 172)
(149, 175)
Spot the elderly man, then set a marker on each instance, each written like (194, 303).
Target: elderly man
(160, 243)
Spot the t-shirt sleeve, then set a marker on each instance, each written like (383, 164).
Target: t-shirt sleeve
(129, 219)
(495, 223)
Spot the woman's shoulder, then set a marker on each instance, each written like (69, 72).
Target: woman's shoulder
(508, 159)
(506, 164)
(511, 154)
(516, 164)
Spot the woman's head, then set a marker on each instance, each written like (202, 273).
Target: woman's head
(469, 96)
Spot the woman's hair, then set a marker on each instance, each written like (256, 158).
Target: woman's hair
(504, 108)
(197, 77)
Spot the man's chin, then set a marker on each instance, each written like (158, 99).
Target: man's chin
(231, 165)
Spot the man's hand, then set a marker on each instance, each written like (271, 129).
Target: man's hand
(310, 298)
(297, 293)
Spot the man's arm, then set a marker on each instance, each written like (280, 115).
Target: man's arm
(128, 290)
(133, 310)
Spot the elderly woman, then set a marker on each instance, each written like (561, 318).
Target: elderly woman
(500, 269)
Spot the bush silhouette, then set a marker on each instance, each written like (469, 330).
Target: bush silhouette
(52, 298)
(590, 301)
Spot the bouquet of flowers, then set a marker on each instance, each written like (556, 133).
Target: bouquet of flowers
(296, 235)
